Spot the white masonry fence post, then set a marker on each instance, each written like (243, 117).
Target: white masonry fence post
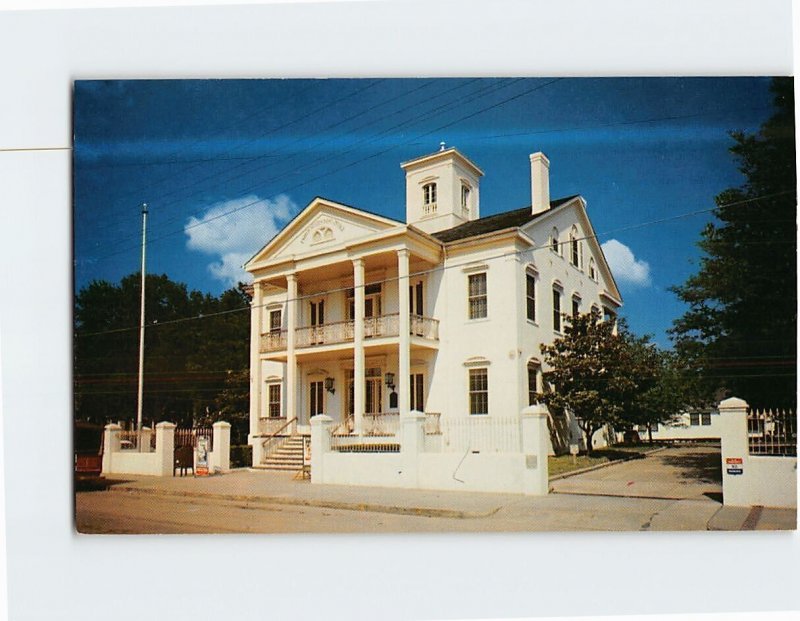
(146, 434)
(220, 458)
(535, 447)
(165, 449)
(111, 445)
(412, 443)
(320, 445)
(735, 449)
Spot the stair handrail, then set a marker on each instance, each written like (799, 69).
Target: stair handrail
(266, 444)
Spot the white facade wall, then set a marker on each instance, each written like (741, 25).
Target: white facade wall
(682, 429)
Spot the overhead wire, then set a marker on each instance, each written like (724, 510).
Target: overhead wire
(527, 251)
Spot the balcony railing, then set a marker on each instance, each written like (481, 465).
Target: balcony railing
(273, 341)
(344, 332)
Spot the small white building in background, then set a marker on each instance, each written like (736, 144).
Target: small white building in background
(360, 317)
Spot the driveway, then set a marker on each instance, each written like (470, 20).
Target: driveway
(678, 473)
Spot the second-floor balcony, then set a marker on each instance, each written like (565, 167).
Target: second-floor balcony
(344, 332)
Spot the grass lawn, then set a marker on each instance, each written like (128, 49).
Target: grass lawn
(563, 463)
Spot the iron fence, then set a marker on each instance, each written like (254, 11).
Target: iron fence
(772, 432)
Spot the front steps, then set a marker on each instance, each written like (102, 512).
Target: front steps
(288, 456)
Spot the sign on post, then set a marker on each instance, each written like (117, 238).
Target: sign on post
(734, 465)
(201, 457)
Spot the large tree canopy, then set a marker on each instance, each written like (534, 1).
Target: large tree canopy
(196, 352)
(741, 326)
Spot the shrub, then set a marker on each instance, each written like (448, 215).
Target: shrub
(241, 456)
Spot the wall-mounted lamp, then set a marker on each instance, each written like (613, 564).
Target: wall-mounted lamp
(390, 380)
(329, 385)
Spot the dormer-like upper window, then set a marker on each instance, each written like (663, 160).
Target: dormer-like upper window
(429, 198)
(554, 241)
(465, 197)
(575, 248)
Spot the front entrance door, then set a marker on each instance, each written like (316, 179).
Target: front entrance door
(417, 387)
(373, 389)
(316, 394)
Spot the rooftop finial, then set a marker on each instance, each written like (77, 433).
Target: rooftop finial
(441, 145)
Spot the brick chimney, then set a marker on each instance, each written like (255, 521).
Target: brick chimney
(540, 183)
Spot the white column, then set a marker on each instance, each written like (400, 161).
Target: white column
(291, 361)
(735, 448)
(320, 445)
(256, 312)
(165, 449)
(359, 395)
(220, 457)
(404, 342)
(535, 449)
(111, 445)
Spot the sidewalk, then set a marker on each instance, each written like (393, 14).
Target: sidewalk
(555, 512)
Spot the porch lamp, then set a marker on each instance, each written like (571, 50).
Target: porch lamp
(390, 380)
(329, 385)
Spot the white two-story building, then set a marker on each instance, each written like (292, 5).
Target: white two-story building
(361, 317)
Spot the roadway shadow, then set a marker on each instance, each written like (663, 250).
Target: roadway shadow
(703, 467)
(90, 483)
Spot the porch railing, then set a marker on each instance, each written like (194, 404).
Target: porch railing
(772, 432)
(344, 332)
(273, 341)
(271, 443)
(381, 424)
(270, 425)
(426, 327)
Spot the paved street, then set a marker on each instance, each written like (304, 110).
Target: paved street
(674, 489)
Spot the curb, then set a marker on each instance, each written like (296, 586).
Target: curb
(325, 504)
(572, 473)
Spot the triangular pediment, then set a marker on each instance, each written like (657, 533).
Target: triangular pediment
(540, 228)
(322, 226)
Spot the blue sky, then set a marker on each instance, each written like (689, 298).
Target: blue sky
(224, 164)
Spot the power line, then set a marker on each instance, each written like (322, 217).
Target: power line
(346, 166)
(442, 267)
(441, 109)
(326, 106)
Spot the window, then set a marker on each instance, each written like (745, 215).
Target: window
(554, 241)
(609, 315)
(694, 418)
(705, 418)
(477, 296)
(478, 391)
(417, 388)
(464, 197)
(534, 370)
(556, 309)
(576, 305)
(274, 400)
(575, 248)
(315, 400)
(275, 321)
(416, 299)
(372, 301)
(317, 313)
(429, 198)
(530, 296)
(592, 270)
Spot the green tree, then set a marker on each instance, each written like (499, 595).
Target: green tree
(669, 392)
(193, 342)
(740, 330)
(595, 372)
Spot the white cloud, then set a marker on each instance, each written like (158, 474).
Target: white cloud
(234, 238)
(625, 267)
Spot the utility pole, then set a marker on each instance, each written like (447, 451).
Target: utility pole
(141, 334)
